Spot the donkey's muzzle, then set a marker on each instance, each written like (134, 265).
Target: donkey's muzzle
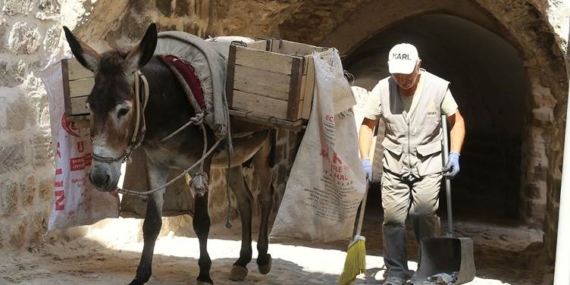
(100, 179)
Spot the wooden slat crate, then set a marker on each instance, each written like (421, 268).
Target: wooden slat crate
(269, 82)
(275, 85)
(77, 84)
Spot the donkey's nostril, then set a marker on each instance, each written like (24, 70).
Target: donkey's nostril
(99, 179)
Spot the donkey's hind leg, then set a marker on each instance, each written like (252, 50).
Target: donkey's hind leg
(152, 222)
(261, 162)
(244, 203)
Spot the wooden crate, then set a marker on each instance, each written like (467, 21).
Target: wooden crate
(275, 84)
(77, 84)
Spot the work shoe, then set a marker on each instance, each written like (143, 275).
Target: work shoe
(394, 281)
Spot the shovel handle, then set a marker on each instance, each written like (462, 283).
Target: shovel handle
(447, 180)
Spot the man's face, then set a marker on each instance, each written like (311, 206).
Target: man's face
(407, 81)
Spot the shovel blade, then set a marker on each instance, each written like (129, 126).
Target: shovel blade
(446, 255)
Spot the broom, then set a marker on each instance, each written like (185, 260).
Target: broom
(355, 262)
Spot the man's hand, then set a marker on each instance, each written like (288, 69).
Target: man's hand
(452, 167)
(367, 168)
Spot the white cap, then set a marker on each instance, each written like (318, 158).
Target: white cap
(403, 59)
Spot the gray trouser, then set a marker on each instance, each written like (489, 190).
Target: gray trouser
(418, 198)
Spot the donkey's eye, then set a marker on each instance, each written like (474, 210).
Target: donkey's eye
(122, 112)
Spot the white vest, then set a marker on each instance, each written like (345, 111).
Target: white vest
(413, 142)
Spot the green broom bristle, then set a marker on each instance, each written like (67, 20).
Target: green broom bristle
(355, 262)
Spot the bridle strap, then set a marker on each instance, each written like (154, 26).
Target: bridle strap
(140, 127)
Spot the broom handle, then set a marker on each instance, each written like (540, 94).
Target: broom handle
(361, 215)
(447, 180)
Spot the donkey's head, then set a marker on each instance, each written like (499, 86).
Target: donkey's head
(112, 104)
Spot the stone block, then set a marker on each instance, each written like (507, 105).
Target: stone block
(46, 190)
(37, 227)
(164, 7)
(11, 73)
(532, 191)
(48, 10)
(33, 86)
(18, 233)
(20, 114)
(9, 192)
(29, 190)
(194, 28)
(42, 149)
(556, 189)
(12, 157)
(182, 8)
(41, 106)
(140, 7)
(17, 7)
(3, 118)
(51, 40)
(3, 35)
(24, 39)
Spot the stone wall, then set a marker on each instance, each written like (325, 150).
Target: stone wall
(29, 39)
(559, 16)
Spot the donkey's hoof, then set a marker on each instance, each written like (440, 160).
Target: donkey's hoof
(265, 268)
(198, 282)
(238, 273)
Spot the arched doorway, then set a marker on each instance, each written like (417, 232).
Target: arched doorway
(489, 83)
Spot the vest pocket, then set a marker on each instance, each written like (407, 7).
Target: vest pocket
(392, 156)
(429, 149)
(429, 156)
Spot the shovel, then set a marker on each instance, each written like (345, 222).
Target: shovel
(449, 259)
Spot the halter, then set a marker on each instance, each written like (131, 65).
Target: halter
(140, 126)
(201, 177)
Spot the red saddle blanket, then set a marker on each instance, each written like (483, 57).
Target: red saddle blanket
(190, 77)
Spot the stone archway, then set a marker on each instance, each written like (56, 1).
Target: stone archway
(489, 83)
(525, 25)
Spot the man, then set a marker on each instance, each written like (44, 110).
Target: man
(411, 102)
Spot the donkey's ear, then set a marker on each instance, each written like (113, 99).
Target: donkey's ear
(87, 56)
(143, 52)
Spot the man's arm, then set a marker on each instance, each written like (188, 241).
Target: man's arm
(457, 133)
(365, 137)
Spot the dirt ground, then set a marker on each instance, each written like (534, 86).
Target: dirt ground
(109, 255)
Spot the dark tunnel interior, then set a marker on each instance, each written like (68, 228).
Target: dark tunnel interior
(490, 85)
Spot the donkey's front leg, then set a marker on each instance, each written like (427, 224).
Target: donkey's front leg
(152, 223)
(201, 224)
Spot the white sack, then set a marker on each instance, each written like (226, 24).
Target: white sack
(327, 181)
(75, 201)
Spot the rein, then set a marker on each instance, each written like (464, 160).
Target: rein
(145, 193)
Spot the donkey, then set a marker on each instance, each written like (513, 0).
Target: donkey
(116, 130)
